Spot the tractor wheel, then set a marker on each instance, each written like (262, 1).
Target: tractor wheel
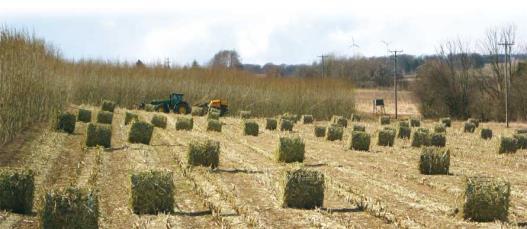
(182, 108)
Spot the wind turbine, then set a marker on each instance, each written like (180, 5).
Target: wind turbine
(354, 46)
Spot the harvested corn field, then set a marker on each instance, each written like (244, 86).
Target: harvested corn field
(378, 188)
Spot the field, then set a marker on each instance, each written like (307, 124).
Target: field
(381, 188)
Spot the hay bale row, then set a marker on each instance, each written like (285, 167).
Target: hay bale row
(141, 132)
(197, 111)
(270, 124)
(214, 114)
(159, 120)
(66, 122)
(339, 120)
(486, 199)
(469, 127)
(245, 114)
(307, 119)
(286, 125)
(291, 117)
(204, 153)
(386, 137)
(290, 149)
(521, 140)
(108, 105)
(302, 189)
(404, 132)
(420, 138)
(214, 125)
(334, 132)
(104, 117)
(439, 128)
(70, 208)
(152, 192)
(355, 118)
(446, 121)
(359, 141)
(434, 160)
(250, 127)
(320, 131)
(384, 120)
(130, 117)
(99, 135)
(415, 122)
(358, 127)
(486, 133)
(474, 121)
(437, 139)
(186, 123)
(508, 145)
(84, 115)
(17, 190)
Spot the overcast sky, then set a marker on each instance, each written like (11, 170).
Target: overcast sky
(277, 31)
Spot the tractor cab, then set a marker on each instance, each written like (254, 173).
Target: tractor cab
(175, 98)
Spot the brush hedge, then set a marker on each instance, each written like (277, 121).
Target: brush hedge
(197, 111)
(404, 132)
(307, 119)
(486, 133)
(204, 153)
(214, 125)
(521, 141)
(250, 127)
(415, 122)
(474, 121)
(104, 117)
(437, 139)
(302, 188)
(355, 118)
(384, 120)
(141, 132)
(420, 138)
(84, 115)
(159, 120)
(469, 127)
(358, 127)
(186, 123)
(245, 114)
(320, 131)
(434, 160)
(129, 117)
(334, 132)
(270, 124)
(446, 121)
(70, 208)
(386, 137)
(66, 122)
(440, 128)
(486, 199)
(152, 192)
(17, 190)
(286, 125)
(359, 141)
(108, 105)
(339, 120)
(290, 149)
(99, 135)
(508, 145)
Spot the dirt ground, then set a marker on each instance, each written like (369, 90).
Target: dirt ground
(381, 188)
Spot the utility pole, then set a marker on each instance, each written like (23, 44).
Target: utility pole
(508, 74)
(322, 63)
(395, 77)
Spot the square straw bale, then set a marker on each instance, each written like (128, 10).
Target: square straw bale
(186, 123)
(358, 127)
(66, 122)
(508, 145)
(152, 192)
(437, 139)
(129, 117)
(334, 132)
(270, 124)
(434, 160)
(486, 133)
(521, 141)
(99, 135)
(384, 120)
(250, 127)
(386, 137)
(141, 132)
(307, 119)
(108, 105)
(302, 188)
(204, 153)
(70, 208)
(359, 141)
(104, 117)
(290, 149)
(320, 131)
(486, 199)
(84, 115)
(214, 125)
(245, 114)
(159, 120)
(339, 120)
(16, 190)
(286, 125)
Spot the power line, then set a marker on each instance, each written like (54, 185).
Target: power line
(322, 63)
(395, 77)
(508, 73)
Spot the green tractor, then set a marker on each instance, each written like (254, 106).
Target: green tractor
(174, 103)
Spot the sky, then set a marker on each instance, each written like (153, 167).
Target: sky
(278, 31)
